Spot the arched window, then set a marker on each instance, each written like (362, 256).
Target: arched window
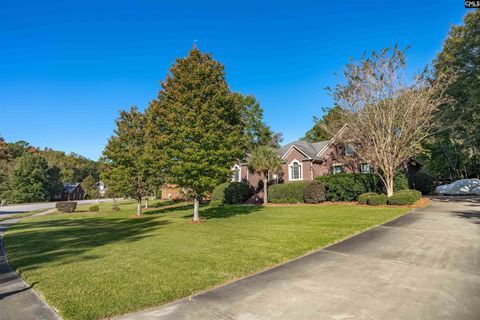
(236, 174)
(295, 170)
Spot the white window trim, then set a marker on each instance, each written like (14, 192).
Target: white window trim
(369, 167)
(236, 167)
(336, 165)
(290, 170)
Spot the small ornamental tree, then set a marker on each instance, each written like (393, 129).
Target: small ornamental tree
(265, 160)
(124, 155)
(386, 118)
(194, 129)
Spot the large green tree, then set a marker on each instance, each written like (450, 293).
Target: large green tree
(194, 129)
(255, 131)
(325, 127)
(32, 180)
(266, 161)
(455, 151)
(125, 156)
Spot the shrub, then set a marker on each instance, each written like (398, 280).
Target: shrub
(66, 207)
(348, 186)
(401, 199)
(218, 194)
(424, 182)
(363, 198)
(93, 209)
(414, 193)
(291, 192)
(377, 200)
(314, 192)
(400, 181)
(230, 193)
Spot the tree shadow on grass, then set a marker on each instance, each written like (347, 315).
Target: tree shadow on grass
(64, 241)
(226, 211)
(154, 211)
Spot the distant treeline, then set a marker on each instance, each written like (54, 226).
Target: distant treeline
(30, 174)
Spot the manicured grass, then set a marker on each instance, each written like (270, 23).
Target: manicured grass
(95, 265)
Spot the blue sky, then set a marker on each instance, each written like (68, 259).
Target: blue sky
(68, 67)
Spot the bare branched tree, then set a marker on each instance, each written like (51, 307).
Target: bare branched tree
(386, 118)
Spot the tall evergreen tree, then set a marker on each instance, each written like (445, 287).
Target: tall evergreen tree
(32, 180)
(124, 154)
(455, 152)
(326, 127)
(255, 130)
(194, 128)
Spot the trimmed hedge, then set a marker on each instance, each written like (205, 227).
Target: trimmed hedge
(363, 198)
(231, 193)
(348, 186)
(402, 199)
(377, 200)
(414, 193)
(93, 209)
(291, 192)
(314, 192)
(66, 207)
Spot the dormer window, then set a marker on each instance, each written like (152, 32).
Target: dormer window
(295, 170)
(236, 174)
(348, 150)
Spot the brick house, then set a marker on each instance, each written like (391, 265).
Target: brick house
(303, 160)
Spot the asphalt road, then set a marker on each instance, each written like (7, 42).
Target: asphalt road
(425, 265)
(19, 208)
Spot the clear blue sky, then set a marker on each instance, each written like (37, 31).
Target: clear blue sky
(67, 67)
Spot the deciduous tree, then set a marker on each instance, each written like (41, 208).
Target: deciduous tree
(124, 154)
(195, 126)
(387, 118)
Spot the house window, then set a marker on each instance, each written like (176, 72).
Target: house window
(337, 168)
(236, 174)
(349, 150)
(295, 170)
(365, 168)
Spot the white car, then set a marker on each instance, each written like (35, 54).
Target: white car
(460, 187)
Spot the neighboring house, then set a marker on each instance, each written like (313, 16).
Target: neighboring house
(101, 188)
(171, 192)
(303, 160)
(72, 191)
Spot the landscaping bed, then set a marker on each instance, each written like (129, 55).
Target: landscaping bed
(92, 266)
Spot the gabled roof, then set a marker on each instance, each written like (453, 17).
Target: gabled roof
(69, 187)
(311, 150)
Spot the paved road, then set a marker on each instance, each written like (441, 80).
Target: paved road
(17, 300)
(425, 265)
(6, 211)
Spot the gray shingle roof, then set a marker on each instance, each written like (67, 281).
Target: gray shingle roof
(69, 187)
(308, 148)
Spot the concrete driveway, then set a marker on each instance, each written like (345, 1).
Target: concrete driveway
(425, 265)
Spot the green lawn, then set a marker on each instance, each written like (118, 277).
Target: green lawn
(95, 265)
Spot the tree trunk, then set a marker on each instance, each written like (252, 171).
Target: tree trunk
(265, 190)
(139, 206)
(146, 202)
(389, 186)
(196, 206)
(114, 202)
